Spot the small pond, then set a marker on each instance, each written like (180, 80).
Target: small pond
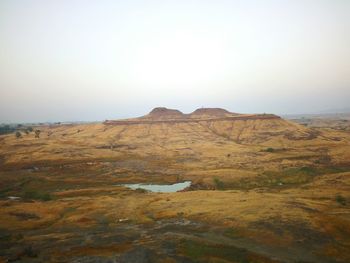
(160, 188)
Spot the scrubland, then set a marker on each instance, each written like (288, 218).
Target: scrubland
(263, 190)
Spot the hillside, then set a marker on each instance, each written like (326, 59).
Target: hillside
(263, 188)
(197, 137)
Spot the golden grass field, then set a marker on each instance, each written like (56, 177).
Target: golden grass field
(264, 189)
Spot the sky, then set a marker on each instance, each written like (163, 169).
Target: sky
(73, 60)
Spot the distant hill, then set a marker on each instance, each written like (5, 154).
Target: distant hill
(240, 128)
(204, 137)
(165, 115)
(337, 110)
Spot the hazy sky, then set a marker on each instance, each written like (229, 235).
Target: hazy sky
(94, 60)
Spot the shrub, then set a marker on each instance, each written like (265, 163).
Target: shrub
(308, 170)
(340, 199)
(270, 150)
(37, 195)
(37, 133)
(18, 134)
(140, 190)
(200, 251)
(29, 252)
(219, 184)
(231, 232)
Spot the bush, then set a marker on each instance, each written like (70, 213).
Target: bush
(29, 252)
(201, 251)
(340, 199)
(18, 134)
(140, 190)
(270, 150)
(37, 133)
(219, 184)
(37, 195)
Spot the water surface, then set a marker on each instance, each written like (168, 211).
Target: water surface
(160, 188)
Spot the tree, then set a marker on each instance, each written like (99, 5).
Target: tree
(4, 129)
(37, 133)
(18, 134)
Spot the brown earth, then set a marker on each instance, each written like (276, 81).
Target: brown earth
(264, 190)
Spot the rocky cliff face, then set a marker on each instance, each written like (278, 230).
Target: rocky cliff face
(240, 128)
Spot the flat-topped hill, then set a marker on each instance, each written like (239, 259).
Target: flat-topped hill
(162, 114)
(203, 137)
(211, 112)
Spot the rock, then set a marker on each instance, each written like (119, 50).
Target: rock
(123, 220)
(13, 198)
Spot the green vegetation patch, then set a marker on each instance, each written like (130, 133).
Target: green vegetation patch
(340, 199)
(37, 195)
(270, 150)
(231, 232)
(205, 252)
(219, 185)
(200, 252)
